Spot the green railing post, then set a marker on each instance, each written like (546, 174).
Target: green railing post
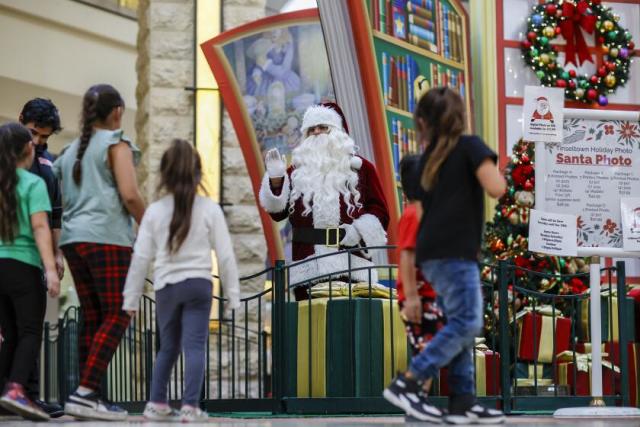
(622, 311)
(505, 348)
(47, 358)
(278, 337)
(148, 368)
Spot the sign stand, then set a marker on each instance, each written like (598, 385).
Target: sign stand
(597, 406)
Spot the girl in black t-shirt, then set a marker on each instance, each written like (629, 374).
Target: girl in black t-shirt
(454, 171)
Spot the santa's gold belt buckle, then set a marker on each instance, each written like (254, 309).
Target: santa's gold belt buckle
(327, 239)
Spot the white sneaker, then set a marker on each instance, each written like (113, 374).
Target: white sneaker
(190, 413)
(158, 412)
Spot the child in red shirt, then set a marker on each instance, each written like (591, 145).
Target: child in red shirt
(417, 299)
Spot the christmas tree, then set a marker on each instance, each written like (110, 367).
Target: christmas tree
(507, 235)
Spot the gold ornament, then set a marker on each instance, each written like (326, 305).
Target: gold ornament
(610, 80)
(613, 52)
(549, 32)
(608, 25)
(545, 58)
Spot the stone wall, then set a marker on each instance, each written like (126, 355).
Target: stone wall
(165, 68)
(242, 214)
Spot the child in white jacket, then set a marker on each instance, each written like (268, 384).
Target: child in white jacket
(178, 233)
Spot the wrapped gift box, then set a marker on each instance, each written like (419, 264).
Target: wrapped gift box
(578, 377)
(487, 374)
(634, 294)
(537, 334)
(531, 374)
(611, 352)
(610, 322)
(342, 347)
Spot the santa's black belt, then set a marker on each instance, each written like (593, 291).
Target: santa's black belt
(319, 236)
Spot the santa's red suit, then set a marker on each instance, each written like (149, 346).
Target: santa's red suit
(367, 211)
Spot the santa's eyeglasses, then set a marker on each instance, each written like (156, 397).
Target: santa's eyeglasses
(317, 129)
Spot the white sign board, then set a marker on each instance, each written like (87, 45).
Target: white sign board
(597, 163)
(630, 211)
(543, 113)
(553, 234)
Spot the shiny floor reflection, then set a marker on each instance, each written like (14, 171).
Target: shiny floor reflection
(322, 422)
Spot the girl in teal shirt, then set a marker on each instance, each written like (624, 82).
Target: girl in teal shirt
(25, 247)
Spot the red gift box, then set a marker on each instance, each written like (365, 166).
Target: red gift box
(545, 332)
(635, 294)
(579, 377)
(611, 352)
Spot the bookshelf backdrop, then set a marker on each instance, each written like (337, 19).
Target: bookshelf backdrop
(417, 45)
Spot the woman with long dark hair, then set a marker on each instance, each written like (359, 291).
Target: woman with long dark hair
(25, 248)
(178, 233)
(454, 172)
(100, 200)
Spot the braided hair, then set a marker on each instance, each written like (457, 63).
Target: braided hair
(98, 103)
(14, 139)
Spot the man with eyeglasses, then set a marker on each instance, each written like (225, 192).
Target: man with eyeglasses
(42, 119)
(332, 198)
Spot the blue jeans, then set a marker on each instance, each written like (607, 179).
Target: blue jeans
(457, 283)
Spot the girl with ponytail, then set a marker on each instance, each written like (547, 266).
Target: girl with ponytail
(100, 200)
(454, 172)
(25, 248)
(178, 232)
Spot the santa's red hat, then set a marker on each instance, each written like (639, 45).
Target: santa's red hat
(328, 113)
(542, 98)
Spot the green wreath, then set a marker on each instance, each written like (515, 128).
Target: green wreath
(570, 18)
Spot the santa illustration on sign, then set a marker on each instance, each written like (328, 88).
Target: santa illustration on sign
(543, 111)
(332, 197)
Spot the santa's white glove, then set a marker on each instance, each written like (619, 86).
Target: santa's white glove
(351, 237)
(275, 163)
(230, 305)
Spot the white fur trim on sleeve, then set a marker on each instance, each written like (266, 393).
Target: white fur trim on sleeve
(371, 230)
(269, 201)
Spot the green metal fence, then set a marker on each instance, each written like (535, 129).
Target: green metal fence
(252, 365)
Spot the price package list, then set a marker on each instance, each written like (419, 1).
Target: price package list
(587, 178)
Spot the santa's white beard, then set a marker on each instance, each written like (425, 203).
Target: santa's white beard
(323, 174)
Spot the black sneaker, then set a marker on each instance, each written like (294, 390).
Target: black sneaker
(407, 394)
(476, 414)
(53, 409)
(93, 407)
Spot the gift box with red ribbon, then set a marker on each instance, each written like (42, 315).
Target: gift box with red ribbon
(611, 352)
(576, 373)
(541, 335)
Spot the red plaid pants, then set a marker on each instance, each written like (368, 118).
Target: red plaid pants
(99, 272)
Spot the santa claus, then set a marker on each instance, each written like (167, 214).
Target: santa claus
(333, 199)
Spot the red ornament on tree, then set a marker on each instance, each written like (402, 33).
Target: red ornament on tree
(592, 93)
(572, 84)
(602, 71)
(531, 36)
(600, 40)
(572, 73)
(632, 45)
(594, 79)
(561, 83)
(611, 66)
(525, 159)
(526, 44)
(528, 185)
(551, 9)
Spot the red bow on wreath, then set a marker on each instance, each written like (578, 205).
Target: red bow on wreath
(576, 17)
